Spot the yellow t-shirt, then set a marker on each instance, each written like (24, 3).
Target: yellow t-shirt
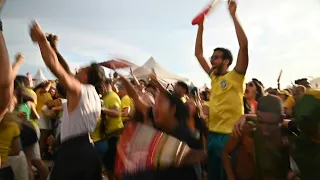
(289, 102)
(9, 130)
(126, 102)
(226, 101)
(96, 135)
(111, 101)
(42, 98)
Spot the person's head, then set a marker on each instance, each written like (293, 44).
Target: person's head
(254, 90)
(143, 84)
(303, 82)
(151, 88)
(181, 88)
(269, 113)
(93, 74)
(108, 85)
(23, 80)
(298, 92)
(121, 90)
(204, 95)
(169, 110)
(220, 60)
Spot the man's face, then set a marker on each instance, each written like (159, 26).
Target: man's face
(218, 63)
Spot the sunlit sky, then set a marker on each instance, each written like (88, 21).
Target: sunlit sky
(282, 34)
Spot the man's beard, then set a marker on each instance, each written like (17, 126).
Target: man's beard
(219, 70)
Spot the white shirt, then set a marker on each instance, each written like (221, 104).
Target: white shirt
(84, 117)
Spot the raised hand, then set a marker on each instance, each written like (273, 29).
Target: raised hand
(19, 58)
(232, 7)
(36, 32)
(53, 40)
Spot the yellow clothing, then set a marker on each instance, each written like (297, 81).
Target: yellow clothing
(226, 101)
(289, 102)
(9, 130)
(206, 103)
(184, 99)
(42, 98)
(96, 135)
(126, 102)
(110, 101)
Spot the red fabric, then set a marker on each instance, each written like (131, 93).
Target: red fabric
(200, 17)
(254, 104)
(115, 64)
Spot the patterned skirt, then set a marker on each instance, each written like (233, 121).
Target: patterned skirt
(142, 148)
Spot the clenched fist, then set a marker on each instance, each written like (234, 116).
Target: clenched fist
(36, 32)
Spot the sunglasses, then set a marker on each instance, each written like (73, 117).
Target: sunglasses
(214, 57)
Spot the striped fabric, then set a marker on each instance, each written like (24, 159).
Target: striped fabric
(142, 148)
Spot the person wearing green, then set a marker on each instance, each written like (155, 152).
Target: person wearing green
(307, 145)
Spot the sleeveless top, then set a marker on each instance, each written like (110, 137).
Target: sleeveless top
(26, 109)
(84, 117)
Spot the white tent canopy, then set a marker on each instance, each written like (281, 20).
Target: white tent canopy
(315, 83)
(39, 77)
(163, 74)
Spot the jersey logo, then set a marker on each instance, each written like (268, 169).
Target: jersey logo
(223, 84)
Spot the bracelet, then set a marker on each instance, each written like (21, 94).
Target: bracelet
(1, 25)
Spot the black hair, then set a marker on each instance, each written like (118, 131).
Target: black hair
(183, 85)
(143, 81)
(259, 88)
(227, 55)
(96, 75)
(23, 80)
(205, 95)
(61, 90)
(182, 112)
(152, 86)
(108, 81)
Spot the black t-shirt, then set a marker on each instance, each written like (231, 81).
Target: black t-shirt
(182, 133)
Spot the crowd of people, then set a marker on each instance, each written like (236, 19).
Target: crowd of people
(93, 127)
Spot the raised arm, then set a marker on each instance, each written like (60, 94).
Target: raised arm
(53, 40)
(243, 57)
(17, 64)
(199, 50)
(6, 77)
(139, 104)
(51, 60)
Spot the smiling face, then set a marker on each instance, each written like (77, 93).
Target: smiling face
(219, 64)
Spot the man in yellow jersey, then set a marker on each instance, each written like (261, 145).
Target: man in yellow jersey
(112, 108)
(126, 103)
(227, 88)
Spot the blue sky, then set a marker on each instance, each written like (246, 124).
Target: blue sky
(282, 34)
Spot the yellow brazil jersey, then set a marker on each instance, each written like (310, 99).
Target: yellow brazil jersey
(9, 130)
(226, 101)
(126, 102)
(112, 101)
(42, 98)
(289, 102)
